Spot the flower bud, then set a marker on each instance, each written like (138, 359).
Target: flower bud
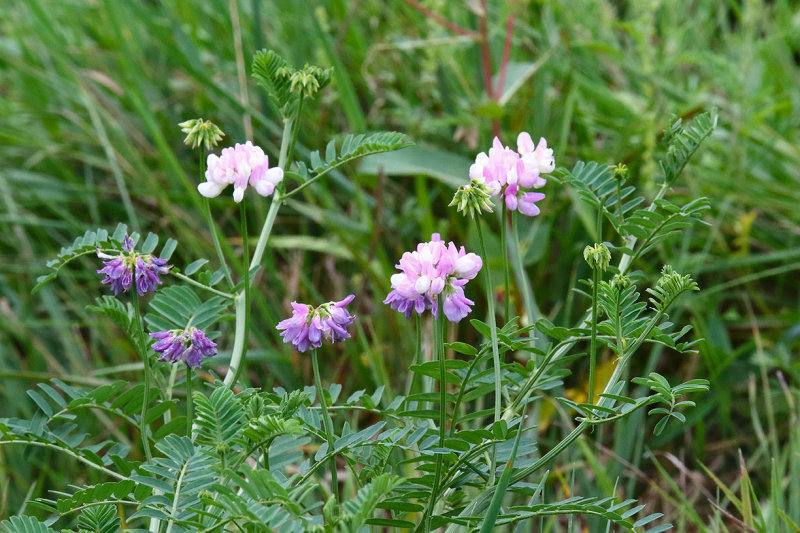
(620, 282)
(422, 284)
(621, 172)
(597, 256)
(199, 131)
(474, 198)
(309, 80)
(467, 266)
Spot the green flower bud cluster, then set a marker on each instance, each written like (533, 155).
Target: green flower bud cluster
(474, 198)
(597, 256)
(199, 131)
(307, 81)
(620, 282)
(621, 172)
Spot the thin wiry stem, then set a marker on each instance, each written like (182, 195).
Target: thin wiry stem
(498, 384)
(326, 420)
(189, 402)
(593, 342)
(137, 312)
(506, 273)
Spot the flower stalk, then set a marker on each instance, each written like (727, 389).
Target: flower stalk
(438, 353)
(493, 329)
(506, 272)
(189, 406)
(328, 424)
(143, 429)
(598, 257)
(498, 384)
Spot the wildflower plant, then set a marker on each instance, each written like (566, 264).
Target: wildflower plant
(458, 452)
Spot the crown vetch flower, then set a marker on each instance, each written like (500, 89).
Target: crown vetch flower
(130, 267)
(240, 166)
(433, 270)
(309, 326)
(187, 345)
(508, 173)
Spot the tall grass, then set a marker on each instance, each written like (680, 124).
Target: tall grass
(92, 93)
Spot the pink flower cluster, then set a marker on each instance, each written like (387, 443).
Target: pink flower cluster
(432, 270)
(309, 326)
(239, 166)
(507, 172)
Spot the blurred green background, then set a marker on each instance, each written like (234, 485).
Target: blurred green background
(91, 93)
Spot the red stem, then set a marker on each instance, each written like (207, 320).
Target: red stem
(441, 20)
(501, 79)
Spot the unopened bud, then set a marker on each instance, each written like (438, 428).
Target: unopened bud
(199, 131)
(597, 256)
(621, 172)
(620, 282)
(474, 198)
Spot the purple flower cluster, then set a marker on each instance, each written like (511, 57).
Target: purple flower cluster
(308, 326)
(188, 345)
(130, 267)
(434, 269)
(508, 172)
(240, 166)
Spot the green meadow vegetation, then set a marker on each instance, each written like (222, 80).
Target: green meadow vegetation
(698, 100)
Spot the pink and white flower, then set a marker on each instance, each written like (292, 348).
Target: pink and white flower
(507, 173)
(240, 166)
(309, 326)
(432, 273)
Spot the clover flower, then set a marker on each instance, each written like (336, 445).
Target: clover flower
(433, 270)
(129, 268)
(309, 326)
(187, 345)
(508, 173)
(240, 166)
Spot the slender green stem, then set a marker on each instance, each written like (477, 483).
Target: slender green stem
(417, 357)
(295, 129)
(506, 272)
(203, 286)
(217, 241)
(600, 224)
(502, 485)
(241, 361)
(523, 284)
(168, 392)
(266, 230)
(492, 325)
(438, 351)
(498, 384)
(593, 342)
(69, 452)
(326, 419)
(461, 391)
(140, 342)
(189, 417)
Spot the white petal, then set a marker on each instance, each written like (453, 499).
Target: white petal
(209, 189)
